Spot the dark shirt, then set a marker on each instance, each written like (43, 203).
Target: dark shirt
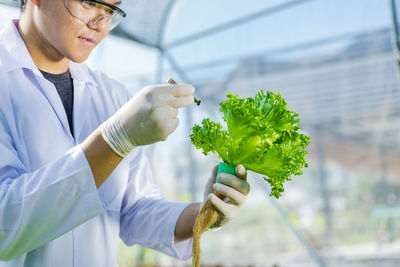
(65, 88)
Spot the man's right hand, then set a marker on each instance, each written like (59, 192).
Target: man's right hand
(149, 117)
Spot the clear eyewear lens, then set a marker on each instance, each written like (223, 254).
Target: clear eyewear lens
(94, 13)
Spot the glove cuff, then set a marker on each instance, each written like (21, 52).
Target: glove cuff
(115, 136)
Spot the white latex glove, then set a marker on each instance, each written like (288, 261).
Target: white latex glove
(147, 118)
(233, 190)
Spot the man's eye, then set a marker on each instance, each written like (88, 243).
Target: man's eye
(110, 11)
(88, 3)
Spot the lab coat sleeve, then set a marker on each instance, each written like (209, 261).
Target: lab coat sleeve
(147, 217)
(40, 206)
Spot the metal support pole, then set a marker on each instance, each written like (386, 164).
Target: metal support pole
(192, 165)
(192, 162)
(160, 66)
(315, 256)
(325, 195)
(177, 68)
(396, 30)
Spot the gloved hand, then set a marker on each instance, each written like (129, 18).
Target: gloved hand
(147, 118)
(234, 190)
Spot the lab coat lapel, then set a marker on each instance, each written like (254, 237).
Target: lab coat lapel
(50, 91)
(21, 59)
(83, 81)
(81, 100)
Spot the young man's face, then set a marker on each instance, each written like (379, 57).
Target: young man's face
(69, 36)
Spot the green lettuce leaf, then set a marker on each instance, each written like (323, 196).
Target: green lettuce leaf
(262, 134)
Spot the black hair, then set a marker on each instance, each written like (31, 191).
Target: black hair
(22, 4)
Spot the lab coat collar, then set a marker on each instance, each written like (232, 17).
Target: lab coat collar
(19, 57)
(80, 72)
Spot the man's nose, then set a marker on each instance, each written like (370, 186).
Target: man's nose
(100, 19)
(99, 24)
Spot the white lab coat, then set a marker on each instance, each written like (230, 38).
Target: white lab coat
(51, 213)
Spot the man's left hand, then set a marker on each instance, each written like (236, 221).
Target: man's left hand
(228, 196)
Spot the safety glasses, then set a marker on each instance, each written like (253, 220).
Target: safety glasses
(95, 12)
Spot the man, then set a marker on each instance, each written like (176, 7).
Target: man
(73, 173)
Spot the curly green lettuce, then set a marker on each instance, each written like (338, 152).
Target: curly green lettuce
(262, 134)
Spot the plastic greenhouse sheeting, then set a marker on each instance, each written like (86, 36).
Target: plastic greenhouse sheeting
(334, 61)
(336, 64)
